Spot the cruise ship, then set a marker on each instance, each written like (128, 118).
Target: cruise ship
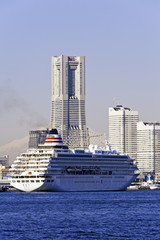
(52, 166)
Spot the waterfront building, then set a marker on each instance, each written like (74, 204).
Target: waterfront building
(123, 130)
(148, 147)
(5, 172)
(0, 171)
(37, 137)
(4, 160)
(68, 114)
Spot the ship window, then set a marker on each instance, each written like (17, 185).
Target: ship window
(37, 180)
(13, 181)
(27, 180)
(48, 180)
(23, 181)
(18, 180)
(42, 180)
(32, 180)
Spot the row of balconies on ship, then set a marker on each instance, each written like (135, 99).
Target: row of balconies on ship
(29, 166)
(39, 156)
(56, 168)
(71, 158)
(73, 162)
(124, 168)
(90, 163)
(23, 161)
(64, 171)
(22, 169)
(48, 162)
(92, 171)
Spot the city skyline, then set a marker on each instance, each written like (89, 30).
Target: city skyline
(120, 40)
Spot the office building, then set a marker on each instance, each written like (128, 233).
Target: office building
(0, 171)
(68, 114)
(37, 137)
(123, 130)
(148, 147)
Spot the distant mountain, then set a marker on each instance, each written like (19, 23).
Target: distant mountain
(14, 148)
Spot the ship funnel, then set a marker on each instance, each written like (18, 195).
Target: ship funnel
(53, 138)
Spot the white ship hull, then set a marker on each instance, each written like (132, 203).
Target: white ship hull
(78, 184)
(54, 167)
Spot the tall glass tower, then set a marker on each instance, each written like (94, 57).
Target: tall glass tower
(68, 99)
(123, 130)
(148, 147)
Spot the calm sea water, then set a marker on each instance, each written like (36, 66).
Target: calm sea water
(102, 215)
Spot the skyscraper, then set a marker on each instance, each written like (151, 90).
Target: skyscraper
(148, 147)
(123, 130)
(68, 99)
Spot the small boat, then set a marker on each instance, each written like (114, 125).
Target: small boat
(3, 189)
(154, 186)
(150, 184)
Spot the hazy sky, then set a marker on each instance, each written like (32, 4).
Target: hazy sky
(119, 38)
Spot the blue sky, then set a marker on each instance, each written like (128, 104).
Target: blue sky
(119, 38)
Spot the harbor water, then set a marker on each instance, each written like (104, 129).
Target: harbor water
(85, 215)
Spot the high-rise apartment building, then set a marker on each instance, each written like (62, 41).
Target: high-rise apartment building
(123, 130)
(68, 99)
(148, 147)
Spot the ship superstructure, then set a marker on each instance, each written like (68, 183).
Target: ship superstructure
(54, 167)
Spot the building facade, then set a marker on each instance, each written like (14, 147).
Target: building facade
(148, 147)
(68, 114)
(0, 171)
(37, 137)
(4, 160)
(123, 130)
